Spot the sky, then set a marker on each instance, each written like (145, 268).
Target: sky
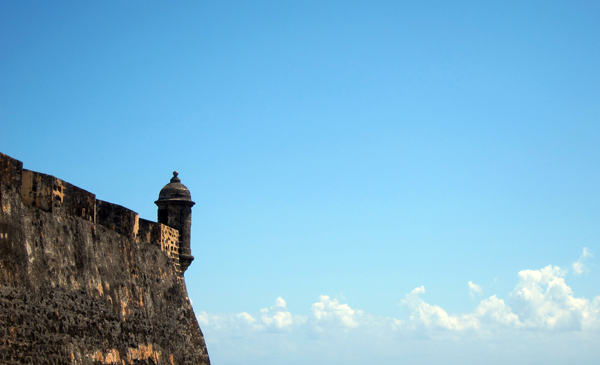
(375, 181)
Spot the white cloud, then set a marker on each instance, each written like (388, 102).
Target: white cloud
(278, 318)
(579, 266)
(274, 319)
(329, 312)
(543, 300)
(541, 304)
(473, 288)
(246, 317)
(426, 316)
(492, 313)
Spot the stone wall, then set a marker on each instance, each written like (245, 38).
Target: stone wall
(84, 281)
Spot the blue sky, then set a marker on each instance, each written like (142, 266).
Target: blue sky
(342, 155)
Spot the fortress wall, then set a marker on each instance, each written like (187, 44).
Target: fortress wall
(87, 286)
(59, 197)
(117, 218)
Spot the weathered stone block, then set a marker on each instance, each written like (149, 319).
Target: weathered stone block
(163, 236)
(119, 219)
(76, 202)
(148, 232)
(10, 174)
(37, 190)
(50, 194)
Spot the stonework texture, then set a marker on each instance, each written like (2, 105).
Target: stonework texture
(87, 282)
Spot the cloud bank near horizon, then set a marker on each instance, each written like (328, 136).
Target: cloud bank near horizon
(541, 312)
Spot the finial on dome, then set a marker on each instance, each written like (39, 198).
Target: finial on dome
(175, 179)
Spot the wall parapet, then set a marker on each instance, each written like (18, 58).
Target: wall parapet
(56, 196)
(53, 195)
